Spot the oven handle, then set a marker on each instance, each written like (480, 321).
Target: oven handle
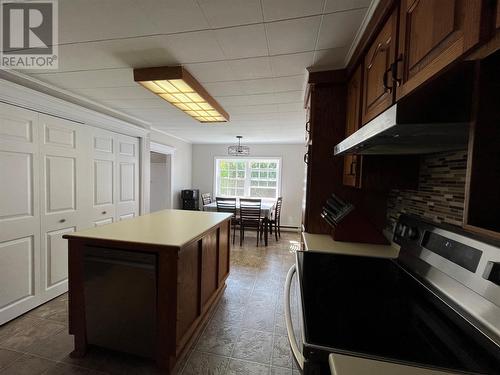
(299, 358)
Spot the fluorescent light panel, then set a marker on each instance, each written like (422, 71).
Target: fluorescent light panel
(182, 95)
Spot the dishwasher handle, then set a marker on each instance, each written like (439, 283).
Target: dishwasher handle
(299, 358)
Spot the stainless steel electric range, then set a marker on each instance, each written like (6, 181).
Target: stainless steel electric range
(437, 305)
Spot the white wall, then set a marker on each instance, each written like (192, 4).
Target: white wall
(160, 183)
(181, 163)
(292, 173)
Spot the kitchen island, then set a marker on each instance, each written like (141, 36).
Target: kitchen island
(146, 285)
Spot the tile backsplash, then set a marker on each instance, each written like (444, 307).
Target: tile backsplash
(440, 193)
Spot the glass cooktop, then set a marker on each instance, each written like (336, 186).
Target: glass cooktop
(371, 306)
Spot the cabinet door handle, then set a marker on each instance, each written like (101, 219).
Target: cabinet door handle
(352, 168)
(104, 212)
(62, 220)
(308, 126)
(385, 78)
(394, 71)
(306, 158)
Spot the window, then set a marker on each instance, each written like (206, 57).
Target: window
(256, 178)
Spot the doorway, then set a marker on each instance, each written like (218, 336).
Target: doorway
(161, 180)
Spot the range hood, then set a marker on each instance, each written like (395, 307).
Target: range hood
(434, 118)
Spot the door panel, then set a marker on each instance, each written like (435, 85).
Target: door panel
(99, 223)
(378, 93)
(19, 212)
(60, 183)
(433, 34)
(127, 182)
(16, 198)
(103, 182)
(352, 163)
(18, 279)
(63, 194)
(127, 179)
(103, 177)
(57, 257)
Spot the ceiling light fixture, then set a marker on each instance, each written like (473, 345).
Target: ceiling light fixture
(178, 87)
(238, 150)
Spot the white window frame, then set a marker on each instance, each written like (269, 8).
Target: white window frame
(248, 159)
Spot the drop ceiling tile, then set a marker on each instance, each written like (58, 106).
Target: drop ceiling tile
(341, 5)
(240, 87)
(85, 20)
(258, 99)
(123, 53)
(242, 109)
(283, 9)
(257, 86)
(292, 107)
(224, 13)
(243, 41)
(211, 71)
(291, 64)
(192, 47)
(297, 82)
(339, 29)
(289, 97)
(114, 93)
(333, 58)
(297, 35)
(258, 67)
(90, 79)
(144, 104)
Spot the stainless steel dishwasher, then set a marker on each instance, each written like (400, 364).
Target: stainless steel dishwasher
(120, 300)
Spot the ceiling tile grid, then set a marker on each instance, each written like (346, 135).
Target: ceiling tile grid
(252, 56)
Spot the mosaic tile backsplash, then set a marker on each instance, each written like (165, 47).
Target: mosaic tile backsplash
(440, 193)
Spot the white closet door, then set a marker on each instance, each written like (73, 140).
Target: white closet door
(127, 177)
(19, 212)
(62, 199)
(103, 177)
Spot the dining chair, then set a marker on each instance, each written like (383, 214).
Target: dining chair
(228, 205)
(251, 217)
(276, 219)
(206, 198)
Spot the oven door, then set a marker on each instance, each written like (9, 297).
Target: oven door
(293, 316)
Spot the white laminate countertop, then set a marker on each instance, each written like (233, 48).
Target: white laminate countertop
(173, 228)
(324, 243)
(349, 365)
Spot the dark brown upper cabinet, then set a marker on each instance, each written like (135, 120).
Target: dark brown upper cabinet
(378, 93)
(433, 34)
(352, 163)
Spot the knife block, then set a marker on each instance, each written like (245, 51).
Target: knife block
(354, 227)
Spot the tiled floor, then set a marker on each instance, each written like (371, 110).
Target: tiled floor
(245, 335)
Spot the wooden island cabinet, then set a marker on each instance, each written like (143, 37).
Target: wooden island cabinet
(147, 284)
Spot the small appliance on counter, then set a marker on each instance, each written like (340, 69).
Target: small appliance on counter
(348, 224)
(190, 199)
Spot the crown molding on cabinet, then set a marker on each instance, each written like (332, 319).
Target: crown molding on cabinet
(23, 91)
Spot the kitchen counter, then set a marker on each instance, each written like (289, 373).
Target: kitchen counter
(161, 274)
(173, 228)
(349, 365)
(324, 243)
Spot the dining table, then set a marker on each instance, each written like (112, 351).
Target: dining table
(267, 208)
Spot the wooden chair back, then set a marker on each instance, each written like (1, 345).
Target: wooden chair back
(250, 210)
(206, 198)
(226, 205)
(277, 209)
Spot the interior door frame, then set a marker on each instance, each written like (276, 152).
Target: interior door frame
(169, 152)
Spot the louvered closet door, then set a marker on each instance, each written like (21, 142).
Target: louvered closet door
(63, 188)
(103, 177)
(127, 177)
(19, 212)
